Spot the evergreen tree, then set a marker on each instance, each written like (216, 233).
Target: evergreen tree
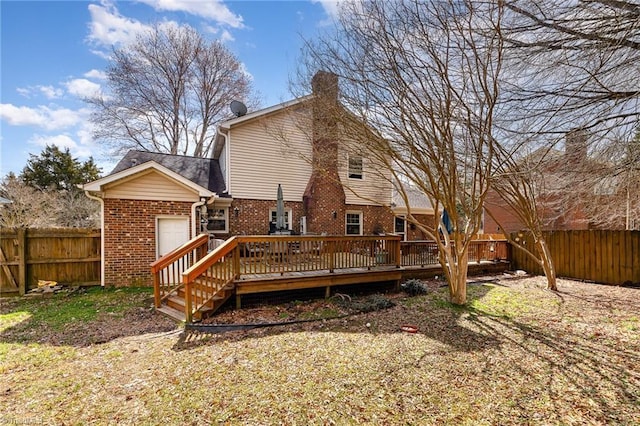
(56, 169)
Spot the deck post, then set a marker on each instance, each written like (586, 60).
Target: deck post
(156, 288)
(187, 302)
(238, 301)
(398, 253)
(236, 262)
(327, 292)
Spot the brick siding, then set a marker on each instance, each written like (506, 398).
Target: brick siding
(130, 238)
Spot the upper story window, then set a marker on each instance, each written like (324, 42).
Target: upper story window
(355, 167)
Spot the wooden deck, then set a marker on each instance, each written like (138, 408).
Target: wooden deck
(190, 283)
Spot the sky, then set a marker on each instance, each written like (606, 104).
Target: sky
(54, 53)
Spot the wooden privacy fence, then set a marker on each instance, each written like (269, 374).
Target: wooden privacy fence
(64, 255)
(610, 257)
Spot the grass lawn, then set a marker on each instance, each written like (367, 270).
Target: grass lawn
(517, 354)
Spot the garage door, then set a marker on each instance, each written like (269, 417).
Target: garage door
(172, 233)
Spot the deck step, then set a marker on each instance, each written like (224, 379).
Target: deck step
(171, 313)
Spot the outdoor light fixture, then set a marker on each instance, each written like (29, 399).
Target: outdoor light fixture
(334, 214)
(236, 211)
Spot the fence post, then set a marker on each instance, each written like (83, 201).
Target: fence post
(22, 259)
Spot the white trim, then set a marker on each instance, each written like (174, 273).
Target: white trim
(355, 212)
(265, 111)
(226, 220)
(98, 185)
(404, 232)
(290, 211)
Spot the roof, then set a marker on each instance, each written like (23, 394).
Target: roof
(5, 201)
(204, 172)
(418, 201)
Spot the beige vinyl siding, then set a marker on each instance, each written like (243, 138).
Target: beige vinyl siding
(373, 189)
(151, 186)
(265, 153)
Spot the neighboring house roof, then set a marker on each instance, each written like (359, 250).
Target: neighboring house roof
(5, 201)
(204, 172)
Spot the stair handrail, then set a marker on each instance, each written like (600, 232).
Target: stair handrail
(197, 269)
(197, 244)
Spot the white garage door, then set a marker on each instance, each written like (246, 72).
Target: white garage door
(172, 233)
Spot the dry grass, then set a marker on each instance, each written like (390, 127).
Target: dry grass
(517, 354)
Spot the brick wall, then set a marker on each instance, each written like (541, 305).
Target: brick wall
(253, 216)
(130, 238)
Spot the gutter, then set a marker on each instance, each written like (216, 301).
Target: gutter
(101, 201)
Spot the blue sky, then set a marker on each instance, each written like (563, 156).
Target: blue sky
(55, 52)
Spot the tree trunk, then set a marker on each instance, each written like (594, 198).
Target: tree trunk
(456, 273)
(547, 263)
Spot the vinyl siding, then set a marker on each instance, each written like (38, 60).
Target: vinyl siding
(268, 152)
(373, 189)
(151, 186)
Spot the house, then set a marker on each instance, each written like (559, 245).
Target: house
(152, 203)
(575, 192)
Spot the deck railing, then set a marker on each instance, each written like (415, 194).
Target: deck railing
(167, 271)
(425, 253)
(280, 254)
(208, 277)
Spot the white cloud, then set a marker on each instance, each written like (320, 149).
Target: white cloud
(41, 116)
(97, 74)
(211, 9)
(62, 141)
(108, 27)
(82, 88)
(49, 92)
(226, 36)
(331, 7)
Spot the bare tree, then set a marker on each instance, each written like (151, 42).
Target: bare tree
(419, 80)
(167, 91)
(577, 62)
(29, 207)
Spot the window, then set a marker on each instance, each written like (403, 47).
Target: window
(287, 217)
(354, 223)
(400, 227)
(355, 167)
(218, 220)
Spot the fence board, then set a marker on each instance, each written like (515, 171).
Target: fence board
(611, 257)
(64, 255)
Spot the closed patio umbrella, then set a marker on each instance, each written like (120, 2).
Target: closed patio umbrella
(280, 222)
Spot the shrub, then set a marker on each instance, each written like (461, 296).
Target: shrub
(414, 287)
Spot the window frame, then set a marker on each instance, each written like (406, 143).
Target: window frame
(360, 221)
(355, 171)
(225, 211)
(287, 213)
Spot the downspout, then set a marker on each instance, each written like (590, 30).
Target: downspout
(194, 206)
(101, 201)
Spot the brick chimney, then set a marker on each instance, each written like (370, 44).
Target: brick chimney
(324, 197)
(575, 146)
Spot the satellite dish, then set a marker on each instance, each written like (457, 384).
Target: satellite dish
(238, 108)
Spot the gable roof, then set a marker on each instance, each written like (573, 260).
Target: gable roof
(201, 174)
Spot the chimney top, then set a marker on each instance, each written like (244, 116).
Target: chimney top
(325, 84)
